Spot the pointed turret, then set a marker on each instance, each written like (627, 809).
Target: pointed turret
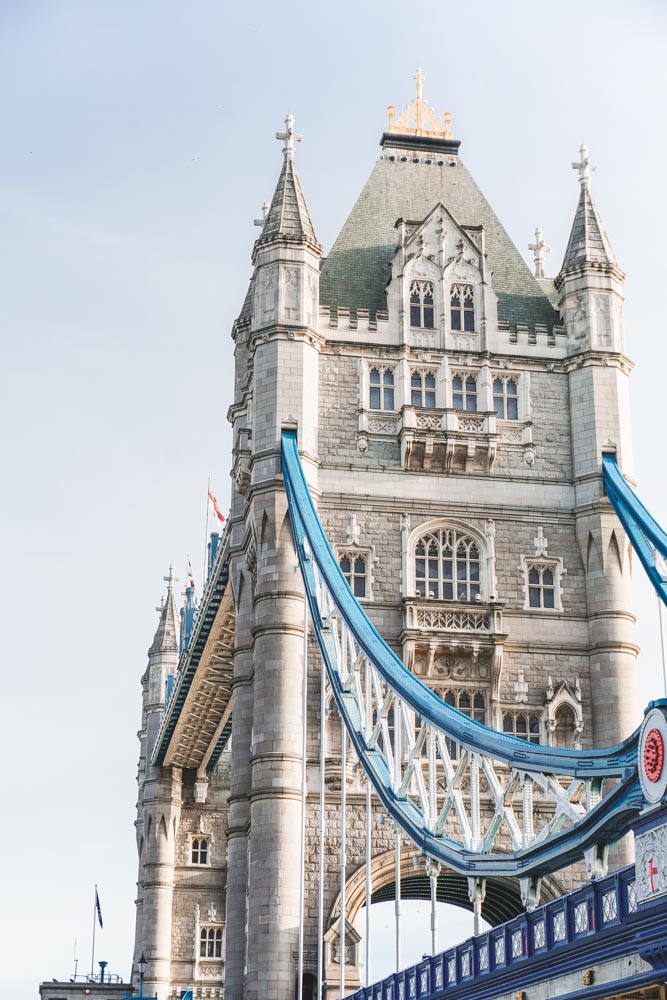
(168, 632)
(288, 217)
(188, 610)
(590, 282)
(588, 242)
(286, 255)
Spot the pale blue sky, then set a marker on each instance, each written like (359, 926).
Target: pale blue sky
(137, 147)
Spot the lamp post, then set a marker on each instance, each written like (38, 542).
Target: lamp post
(142, 963)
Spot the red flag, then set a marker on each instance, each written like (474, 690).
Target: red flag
(215, 509)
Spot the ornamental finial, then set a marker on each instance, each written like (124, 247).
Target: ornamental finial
(584, 167)
(539, 249)
(418, 118)
(289, 138)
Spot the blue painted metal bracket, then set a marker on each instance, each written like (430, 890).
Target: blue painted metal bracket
(647, 537)
(605, 823)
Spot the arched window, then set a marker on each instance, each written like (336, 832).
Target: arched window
(565, 727)
(470, 703)
(355, 570)
(421, 304)
(464, 392)
(462, 308)
(541, 587)
(381, 388)
(210, 942)
(447, 566)
(506, 398)
(422, 389)
(200, 851)
(523, 725)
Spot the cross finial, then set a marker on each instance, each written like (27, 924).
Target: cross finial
(584, 167)
(265, 212)
(171, 579)
(288, 137)
(419, 81)
(539, 249)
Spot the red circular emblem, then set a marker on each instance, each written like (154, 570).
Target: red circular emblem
(654, 755)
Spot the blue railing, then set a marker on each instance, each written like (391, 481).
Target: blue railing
(593, 907)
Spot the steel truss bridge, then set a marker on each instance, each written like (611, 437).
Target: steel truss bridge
(434, 772)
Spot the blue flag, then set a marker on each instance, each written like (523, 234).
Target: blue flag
(98, 908)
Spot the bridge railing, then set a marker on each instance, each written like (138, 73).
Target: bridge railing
(587, 909)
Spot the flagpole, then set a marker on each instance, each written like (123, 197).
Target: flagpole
(208, 504)
(92, 957)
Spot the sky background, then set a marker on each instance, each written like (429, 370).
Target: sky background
(136, 149)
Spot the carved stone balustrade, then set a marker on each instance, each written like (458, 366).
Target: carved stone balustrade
(453, 641)
(447, 440)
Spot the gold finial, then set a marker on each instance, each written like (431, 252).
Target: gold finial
(419, 80)
(418, 118)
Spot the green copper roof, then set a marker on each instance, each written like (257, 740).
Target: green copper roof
(355, 273)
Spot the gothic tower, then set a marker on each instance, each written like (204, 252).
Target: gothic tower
(451, 409)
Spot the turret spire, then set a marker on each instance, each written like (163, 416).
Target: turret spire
(167, 635)
(588, 242)
(288, 215)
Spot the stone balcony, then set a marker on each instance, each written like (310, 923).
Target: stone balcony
(447, 440)
(453, 640)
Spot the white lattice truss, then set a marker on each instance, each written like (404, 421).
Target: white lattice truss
(464, 797)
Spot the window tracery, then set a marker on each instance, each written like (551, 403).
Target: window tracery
(506, 397)
(472, 703)
(354, 566)
(523, 725)
(447, 566)
(199, 851)
(210, 942)
(422, 305)
(462, 308)
(464, 392)
(422, 388)
(381, 388)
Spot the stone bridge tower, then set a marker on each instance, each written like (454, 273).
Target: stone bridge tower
(451, 409)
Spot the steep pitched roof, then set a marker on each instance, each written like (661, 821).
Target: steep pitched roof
(168, 632)
(288, 215)
(588, 242)
(356, 271)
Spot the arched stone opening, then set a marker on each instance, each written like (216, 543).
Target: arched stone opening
(502, 901)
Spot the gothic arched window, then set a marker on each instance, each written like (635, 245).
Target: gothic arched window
(355, 571)
(422, 389)
(506, 398)
(199, 851)
(210, 942)
(464, 392)
(381, 388)
(525, 726)
(541, 586)
(422, 311)
(564, 732)
(447, 566)
(462, 308)
(470, 703)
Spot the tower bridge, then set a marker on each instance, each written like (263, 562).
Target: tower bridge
(411, 671)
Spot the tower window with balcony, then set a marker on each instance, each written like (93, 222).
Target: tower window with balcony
(422, 389)
(354, 566)
(506, 398)
(210, 942)
(462, 308)
(447, 566)
(422, 313)
(464, 392)
(524, 726)
(381, 388)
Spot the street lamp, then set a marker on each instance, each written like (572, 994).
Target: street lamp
(142, 963)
